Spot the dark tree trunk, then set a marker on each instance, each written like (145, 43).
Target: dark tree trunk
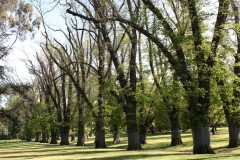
(234, 136)
(81, 125)
(81, 136)
(233, 127)
(175, 128)
(100, 122)
(233, 124)
(54, 137)
(152, 129)
(143, 134)
(176, 137)
(81, 140)
(133, 135)
(143, 137)
(200, 129)
(213, 130)
(201, 141)
(100, 126)
(64, 133)
(38, 137)
(65, 125)
(29, 137)
(73, 137)
(133, 139)
(100, 136)
(116, 134)
(44, 137)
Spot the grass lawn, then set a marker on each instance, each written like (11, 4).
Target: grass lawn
(157, 148)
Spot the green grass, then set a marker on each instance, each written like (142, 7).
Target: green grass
(157, 148)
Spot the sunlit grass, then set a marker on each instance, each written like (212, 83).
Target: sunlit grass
(156, 148)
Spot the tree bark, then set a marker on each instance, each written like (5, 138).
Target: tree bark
(201, 141)
(81, 136)
(143, 137)
(73, 137)
(37, 137)
(233, 127)
(133, 139)
(64, 133)
(100, 136)
(29, 135)
(234, 134)
(44, 137)
(116, 135)
(213, 130)
(143, 132)
(133, 135)
(176, 137)
(175, 127)
(54, 137)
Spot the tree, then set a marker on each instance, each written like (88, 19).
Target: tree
(233, 121)
(198, 103)
(15, 19)
(127, 99)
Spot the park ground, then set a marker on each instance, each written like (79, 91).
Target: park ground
(156, 148)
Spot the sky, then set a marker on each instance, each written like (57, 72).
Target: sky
(22, 50)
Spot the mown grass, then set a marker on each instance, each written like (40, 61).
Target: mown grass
(156, 148)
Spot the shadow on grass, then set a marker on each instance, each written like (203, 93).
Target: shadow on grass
(236, 156)
(60, 153)
(121, 157)
(124, 157)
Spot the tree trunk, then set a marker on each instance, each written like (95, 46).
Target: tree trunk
(37, 137)
(81, 136)
(143, 138)
(64, 133)
(54, 137)
(176, 137)
(201, 141)
(29, 136)
(175, 128)
(133, 135)
(100, 126)
(213, 130)
(100, 136)
(116, 134)
(143, 134)
(133, 139)
(152, 129)
(44, 137)
(73, 137)
(233, 128)
(234, 136)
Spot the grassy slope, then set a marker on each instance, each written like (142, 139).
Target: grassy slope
(157, 148)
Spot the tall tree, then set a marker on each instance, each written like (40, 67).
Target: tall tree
(129, 102)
